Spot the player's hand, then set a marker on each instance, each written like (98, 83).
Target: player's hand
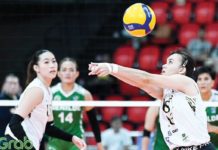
(80, 143)
(100, 146)
(100, 69)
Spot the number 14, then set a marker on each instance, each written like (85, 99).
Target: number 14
(66, 118)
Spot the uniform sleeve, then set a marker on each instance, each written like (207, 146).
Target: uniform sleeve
(105, 138)
(127, 138)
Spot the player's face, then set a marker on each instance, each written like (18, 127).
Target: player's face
(116, 125)
(12, 85)
(173, 65)
(68, 72)
(205, 82)
(47, 66)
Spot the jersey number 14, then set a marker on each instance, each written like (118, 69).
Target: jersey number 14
(66, 118)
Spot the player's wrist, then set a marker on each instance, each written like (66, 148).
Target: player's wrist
(112, 68)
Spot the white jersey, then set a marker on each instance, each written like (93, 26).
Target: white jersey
(116, 141)
(34, 125)
(183, 119)
(214, 96)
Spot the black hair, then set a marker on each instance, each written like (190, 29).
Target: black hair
(31, 74)
(11, 75)
(116, 118)
(68, 59)
(187, 61)
(204, 69)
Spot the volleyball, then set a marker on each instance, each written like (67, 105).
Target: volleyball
(139, 20)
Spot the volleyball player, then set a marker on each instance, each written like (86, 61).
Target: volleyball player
(33, 116)
(205, 76)
(70, 118)
(182, 113)
(152, 124)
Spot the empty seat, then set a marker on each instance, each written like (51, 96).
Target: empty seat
(149, 58)
(109, 112)
(114, 98)
(161, 11)
(205, 12)
(128, 126)
(167, 51)
(215, 86)
(125, 56)
(102, 127)
(140, 127)
(195, 1)
(181, 13)
(128, 90)
(187, 33)
(211, 33)
(140, 98)
(95, 97)
(85, 118)
(91, 141)
(136, 114)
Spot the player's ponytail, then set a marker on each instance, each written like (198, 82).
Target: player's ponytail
(31, 74)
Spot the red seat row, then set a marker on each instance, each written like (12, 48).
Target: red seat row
(204, 12)
(134, 114)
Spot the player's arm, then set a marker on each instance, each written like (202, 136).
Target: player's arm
(149, 126)
(29, 101)
(212, 128)
(92, 115)
(145, 80)
(131, 76)
(52, 130)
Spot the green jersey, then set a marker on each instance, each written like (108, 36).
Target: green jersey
(67, 118)
(159, 143)
(212, 117)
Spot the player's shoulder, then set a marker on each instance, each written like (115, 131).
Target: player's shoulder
(108, 131)
(56, 88)
(81, 89)
(215, 92)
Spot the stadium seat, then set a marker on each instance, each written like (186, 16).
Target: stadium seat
(128, 126)
(160, 10)
(109, 112)
(101, 126)
(211, 33)
(167, 52)
(205, 12)
(163, 34)
(140, 127)
(187, 33)
(128, 90)
(195, 1)
(149, 58)
(90, 141)
(170, 1)
(125, 56)
(140, 98)
(181, 13)
(114, 98)
(216, 82)
(85, 118)
(136, 114)
(95, 97)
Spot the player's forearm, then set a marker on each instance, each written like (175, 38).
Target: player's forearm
(131, 76)
(212, 128)
(145, 142)
(53, 131)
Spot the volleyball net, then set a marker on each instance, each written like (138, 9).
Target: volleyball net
(107, 103)
(135, 133)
